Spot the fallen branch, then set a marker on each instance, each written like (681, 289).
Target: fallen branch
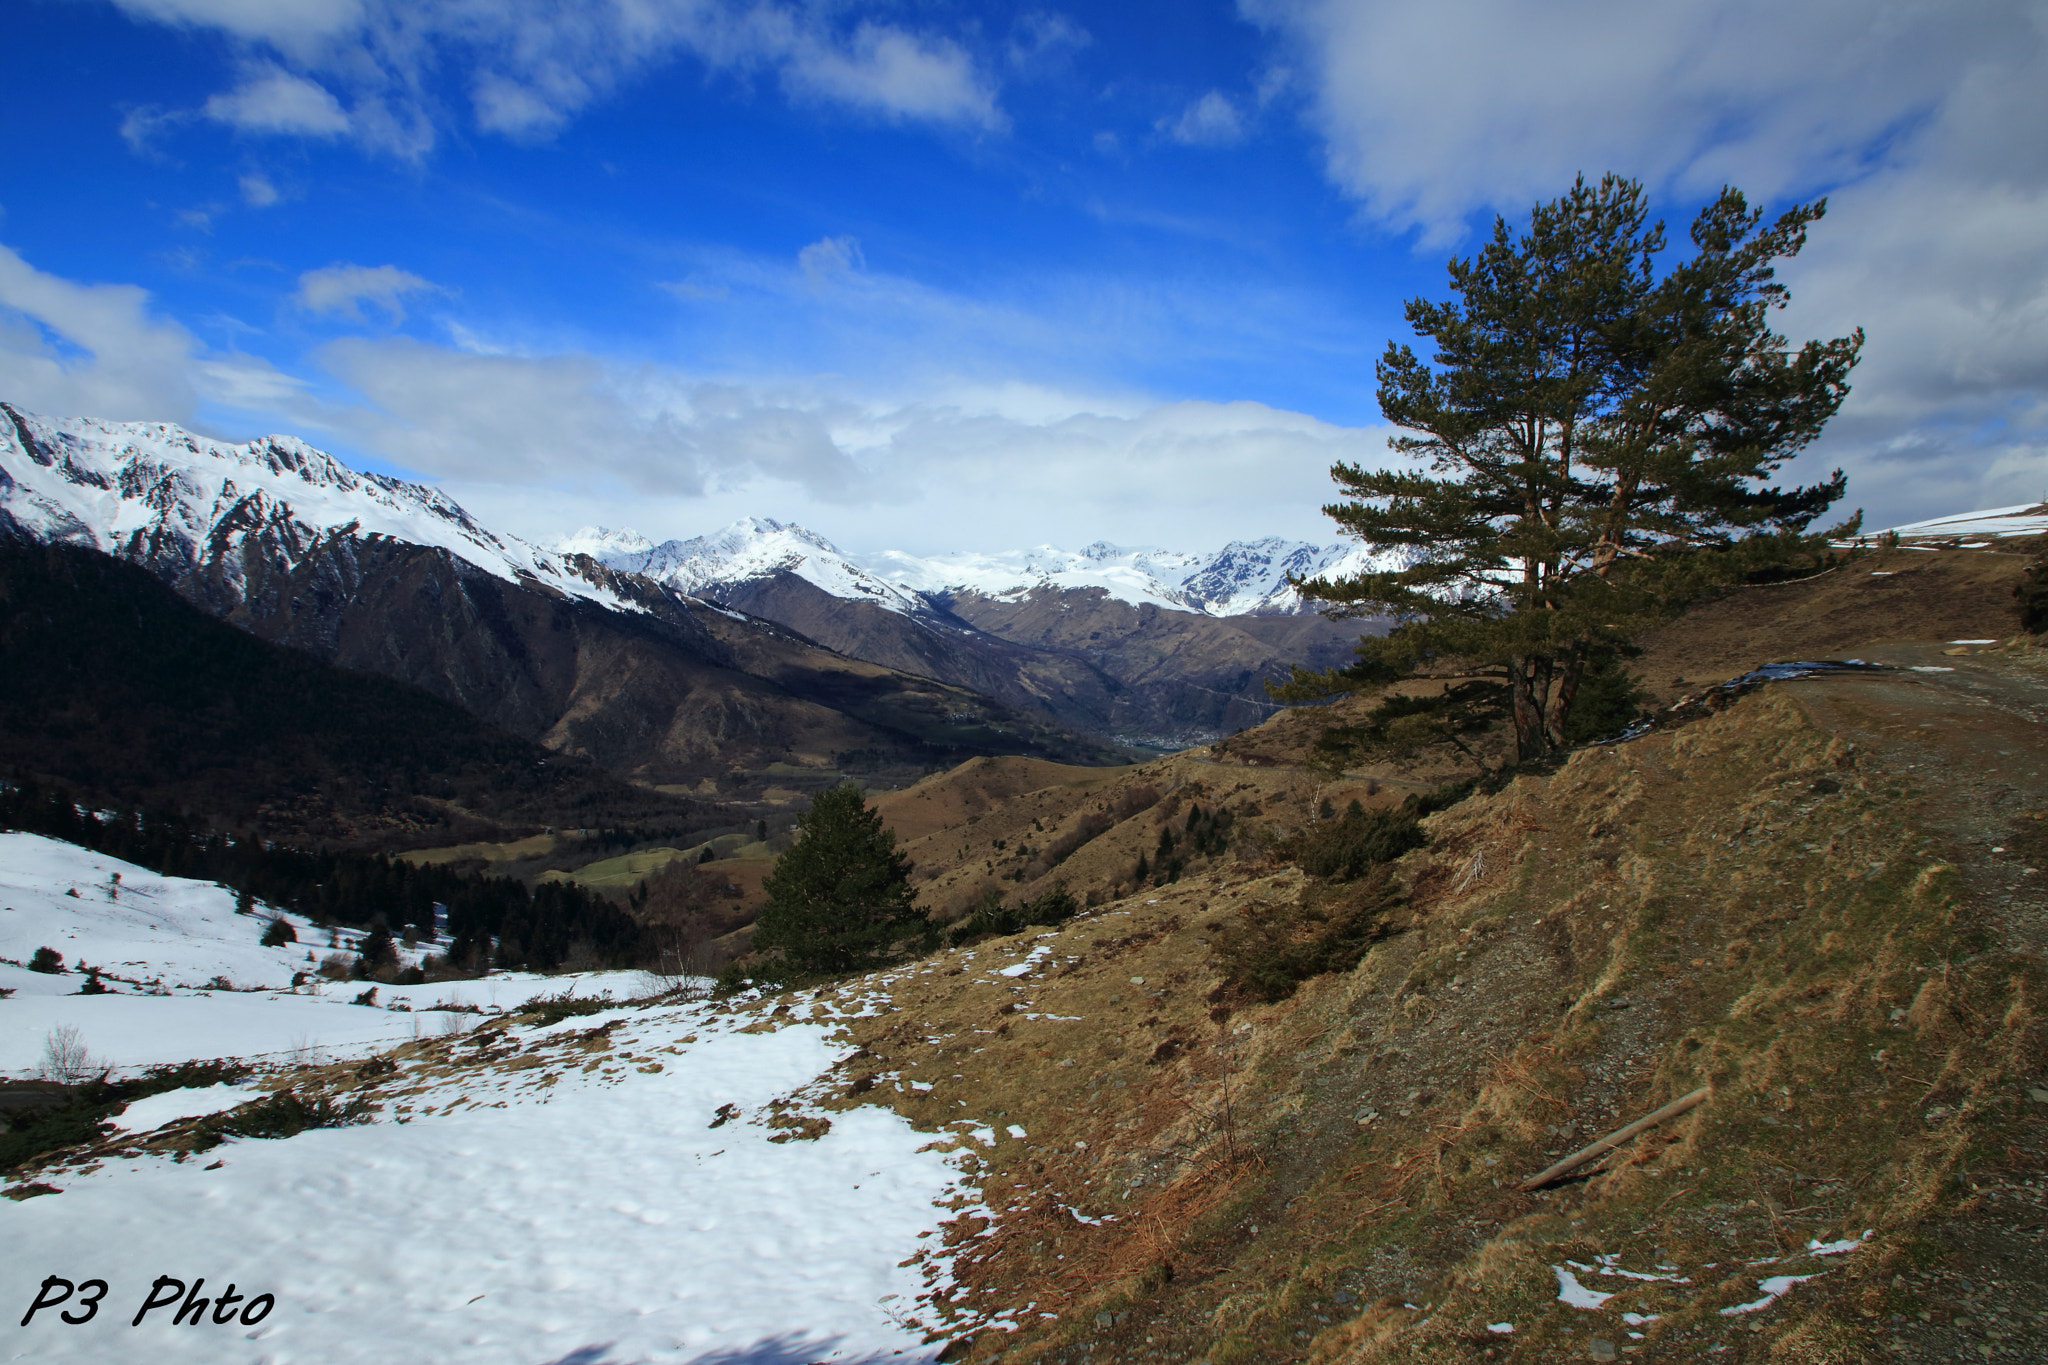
(1614, 1140)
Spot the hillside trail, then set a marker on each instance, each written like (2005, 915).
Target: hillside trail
(1972, 732)
(1968, 734)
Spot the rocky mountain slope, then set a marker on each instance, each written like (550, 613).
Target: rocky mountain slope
(1146, 646)
(387, 577)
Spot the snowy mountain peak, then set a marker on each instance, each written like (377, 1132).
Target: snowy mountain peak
(178, 502)
(600, 542)
(1243, 578)
(752, 547)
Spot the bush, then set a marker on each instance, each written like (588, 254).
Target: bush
(2032, 595)
(64, 1056)
(287, 1113)
(553, 1009)
(1352, 845)
(1266, 951)
(1609, 700)
(93, 985)
(991, 918)
(47, 960)
(277, 933)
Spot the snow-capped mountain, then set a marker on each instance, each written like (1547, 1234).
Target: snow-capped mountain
(1243, 578)
(753, 547)
(157, 494)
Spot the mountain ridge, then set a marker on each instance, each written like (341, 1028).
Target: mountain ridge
(370, 572)
(1243, 578)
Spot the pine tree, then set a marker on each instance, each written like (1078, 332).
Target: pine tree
(1587, 426)
(378, 951)
(839, 900)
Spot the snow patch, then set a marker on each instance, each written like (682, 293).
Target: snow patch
(154, 1111)
(1570, 1291)
(1773, 1289)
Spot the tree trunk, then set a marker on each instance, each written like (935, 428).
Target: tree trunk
(1529, 681)
(1567, 692)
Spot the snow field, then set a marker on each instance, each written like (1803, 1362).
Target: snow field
(179, 935)
(596, 1211)
(553, 1193)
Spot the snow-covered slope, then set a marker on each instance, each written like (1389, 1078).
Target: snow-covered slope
(2028, 519)
(163, 945)
(157, 494)
(619, 1186)
(1243, 578)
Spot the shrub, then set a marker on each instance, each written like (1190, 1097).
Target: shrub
(1144, 796)
(553, 1009)
(277, 933)
(990, 917)
(47, 960)
(1359, 840)
(987, 918)
(64, 1056)
(93, 985)
(1087, 829)
(1266, 951)
(2032, 595)
(1056, 906)
(287, 1113)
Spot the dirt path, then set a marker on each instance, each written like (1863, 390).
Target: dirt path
(1970, 745)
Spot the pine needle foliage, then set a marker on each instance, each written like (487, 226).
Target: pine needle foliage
(1591, 433)
(839, 900)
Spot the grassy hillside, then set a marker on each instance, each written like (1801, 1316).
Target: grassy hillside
(1767, 904)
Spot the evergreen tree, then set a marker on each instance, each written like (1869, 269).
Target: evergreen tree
(1587, 425)
(278, 932)
(839, 900)
(378, 950)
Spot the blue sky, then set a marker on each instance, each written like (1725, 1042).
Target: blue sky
(942, 276)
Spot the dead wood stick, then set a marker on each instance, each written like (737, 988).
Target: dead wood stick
(1615, 1139)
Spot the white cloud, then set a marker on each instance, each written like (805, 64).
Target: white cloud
(1430, 111)
(272, 101)
(896, 74)
(1211, 121)
(529, 68)
(830, 257)
(1042, 37)
(962, 465)
(257, 191)
(342, 288)
(288, 24)
(99, 350)
(1920, 119)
